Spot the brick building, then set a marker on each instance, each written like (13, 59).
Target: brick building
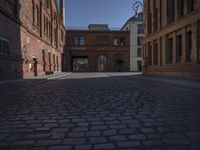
(172, 37)
(35, 35)
(10, 53)
(97, 49)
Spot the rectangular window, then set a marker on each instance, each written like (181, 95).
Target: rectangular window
(4, 46)
(169, 51)
(139, 52)
(161, 14)
(188, 46)
(170, 11)
(139, 40)
(198, 41)
(140, 29)
(150, 23)
(43, 55)
(155, 53)
(161, 51)
(150, 54)
(180, 5)
(190, 5)
(156, 19)
(49, 57)
(178, 49)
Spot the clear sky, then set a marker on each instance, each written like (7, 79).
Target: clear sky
(81, 13)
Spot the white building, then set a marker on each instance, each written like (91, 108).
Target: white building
(135, 26)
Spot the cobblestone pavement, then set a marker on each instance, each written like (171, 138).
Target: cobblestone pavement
(121, 113)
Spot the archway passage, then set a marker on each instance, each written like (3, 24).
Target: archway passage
(119, 63)
(102, 61)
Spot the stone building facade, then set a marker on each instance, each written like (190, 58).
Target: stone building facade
(35, 35)
(97, 49)
(135, 26)
(172, 37)
(10, 53)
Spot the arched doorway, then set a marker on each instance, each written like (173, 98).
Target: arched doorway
(102, 60)
(119, 63)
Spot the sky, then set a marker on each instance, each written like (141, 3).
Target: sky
(81, 13)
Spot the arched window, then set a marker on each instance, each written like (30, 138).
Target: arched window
(38, 15)
(82, 40)
(102, 61)
(33, 11)
(75, 40)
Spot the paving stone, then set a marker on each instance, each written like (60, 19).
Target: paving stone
(97, 140)
(128, 144)
(83, 147)
(74, 141)
(118, 138)
(48, 142)
(93, 133)
(137, 137)
(109, 132)
(107, 146)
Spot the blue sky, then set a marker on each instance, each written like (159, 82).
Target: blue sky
(81, 13)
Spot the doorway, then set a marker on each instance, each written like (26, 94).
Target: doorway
(35, 66)
(119, 63)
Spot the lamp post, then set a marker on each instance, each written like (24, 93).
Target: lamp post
(136, 6)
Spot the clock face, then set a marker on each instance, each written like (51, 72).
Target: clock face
(45, 3)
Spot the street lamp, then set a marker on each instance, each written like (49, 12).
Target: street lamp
(136, 6)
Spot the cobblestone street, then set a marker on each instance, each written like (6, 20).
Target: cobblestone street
(100, 112)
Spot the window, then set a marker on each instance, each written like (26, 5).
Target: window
(170, 10)
(198, 42)
(33, 11)
(180, 4)
(116, 41)
(82, 40)
(190, 5)
(119, 41)
(140, 29)
(76, 40)
(150, 54)
(178, 49)
(139, 52)
(161, 13)
(38, 15)
(150, 23)
(156, 20)
(4, 46)
(43, 55)
(155, 53)
(101, 40)
(139, 40)
(169, 51)
(161, 51)
(188, 46)
(49, 57)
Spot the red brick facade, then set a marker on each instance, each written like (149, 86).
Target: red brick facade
(36, 35)
(172, 37)
(42, 37)
(95, 51)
